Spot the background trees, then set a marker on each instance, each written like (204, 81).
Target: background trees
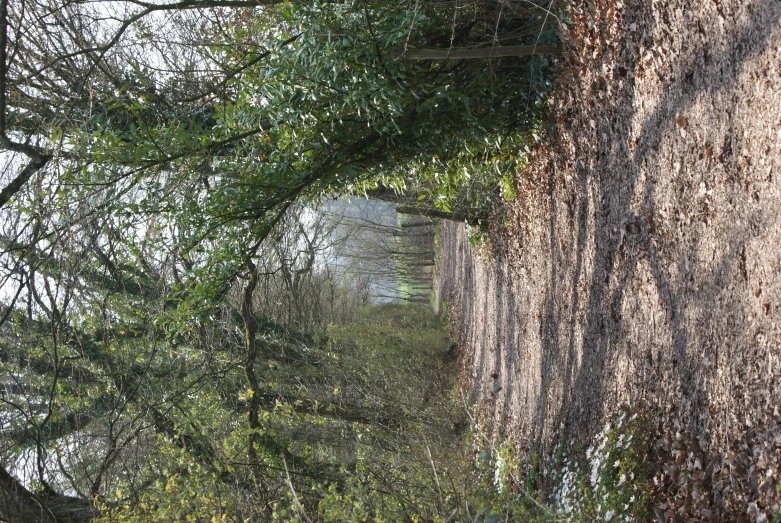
(108, 395)
(391, 253)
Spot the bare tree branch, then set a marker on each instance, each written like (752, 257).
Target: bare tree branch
(37, 162)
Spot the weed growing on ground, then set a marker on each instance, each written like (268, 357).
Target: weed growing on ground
(502, 491)
(611, 484)
(607, 482)
(507, 189)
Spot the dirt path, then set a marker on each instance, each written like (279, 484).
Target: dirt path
(641, 262)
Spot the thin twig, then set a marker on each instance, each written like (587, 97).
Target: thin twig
(544, 21)
(411, 26)
(539, 34)
(293, 491)
(434, 469)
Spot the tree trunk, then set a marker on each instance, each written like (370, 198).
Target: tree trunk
(432, 212)
(19, 504)
(253, 405)
(408, 203)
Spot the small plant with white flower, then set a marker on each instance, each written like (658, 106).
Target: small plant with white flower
(501, 465)
(611, 484)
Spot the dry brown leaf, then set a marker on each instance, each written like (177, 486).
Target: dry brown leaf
(682, 121)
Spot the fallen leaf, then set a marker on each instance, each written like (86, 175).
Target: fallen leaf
(766, 308)
(682, 121)
(708, 152)
(674, 472)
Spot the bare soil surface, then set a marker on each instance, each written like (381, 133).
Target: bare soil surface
(640, 264)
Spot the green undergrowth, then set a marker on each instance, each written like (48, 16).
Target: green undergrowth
(396, 442)
(609, 483)
(605, 482)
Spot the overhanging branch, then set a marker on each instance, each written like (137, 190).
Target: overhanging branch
(38, 161)
(413, 53)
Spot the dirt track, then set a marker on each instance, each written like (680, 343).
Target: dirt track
(641, 263)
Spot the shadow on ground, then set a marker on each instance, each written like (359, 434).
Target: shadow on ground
(642, 264)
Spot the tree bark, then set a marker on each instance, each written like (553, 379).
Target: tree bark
(409, 203)
(251, 348)
(37, 162)
(431, 212)
(19, 504)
